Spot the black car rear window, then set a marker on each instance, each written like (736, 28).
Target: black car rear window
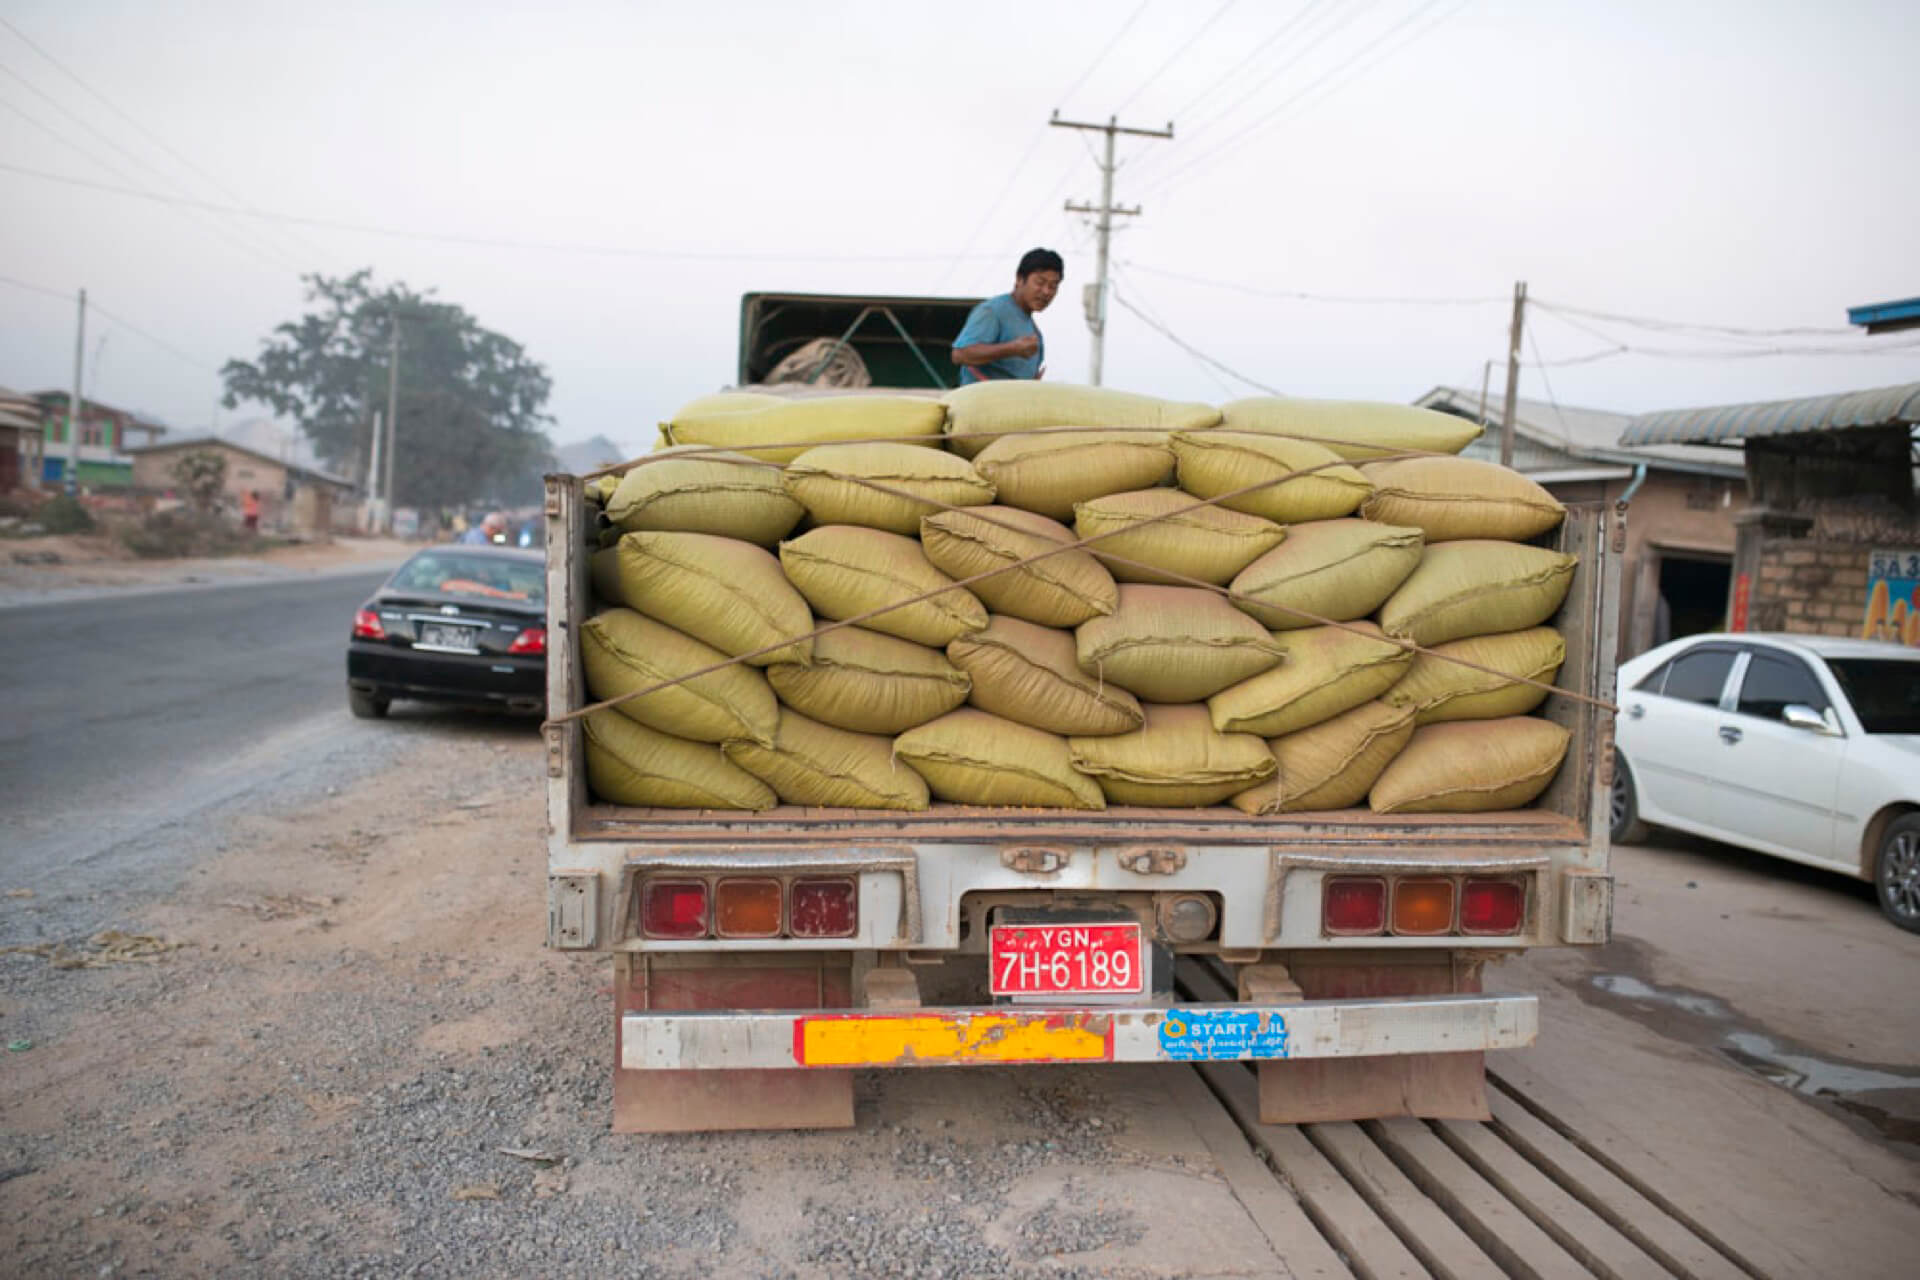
(455, 573)
(1885, 692)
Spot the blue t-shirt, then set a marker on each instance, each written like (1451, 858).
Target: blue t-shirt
(1000, 319)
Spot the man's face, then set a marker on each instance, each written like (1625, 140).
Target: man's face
(1035, 290)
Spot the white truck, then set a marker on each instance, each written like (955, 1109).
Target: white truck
(760, 958)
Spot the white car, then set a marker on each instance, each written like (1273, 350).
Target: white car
(1805, 747)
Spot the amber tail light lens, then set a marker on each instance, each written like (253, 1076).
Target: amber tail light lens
(1492, 907)
(1354, 904)
(1423, 907)
(674, 909)
(747, 908)
(823, 908)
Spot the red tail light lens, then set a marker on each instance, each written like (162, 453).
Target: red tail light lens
(747, 908)
(674, 909)
(823, 908)
(366, 626)
(532, 640)
(1354, 904)
(1492, 907)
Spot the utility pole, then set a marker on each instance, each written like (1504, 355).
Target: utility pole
(393, 418)
(1513, 372)
(373, 475)
(74, 406)
(1096, 294)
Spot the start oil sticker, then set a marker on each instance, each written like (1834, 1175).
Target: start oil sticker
(1212, 1035)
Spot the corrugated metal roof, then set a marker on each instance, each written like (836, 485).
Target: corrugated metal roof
(1879, 407)
(1552, 437)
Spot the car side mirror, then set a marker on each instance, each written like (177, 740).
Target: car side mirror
(1801, 716)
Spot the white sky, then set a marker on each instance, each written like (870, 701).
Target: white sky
(1744, 163)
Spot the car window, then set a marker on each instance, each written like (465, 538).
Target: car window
(1651, 682)
(1773, 682)
(1885, 692)
(484, 577)
(1699, 676)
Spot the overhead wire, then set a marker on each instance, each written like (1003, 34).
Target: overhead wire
(94, 307)
(1618, 346)
(1172, 58)
(1167, 333)
(1101, 57)
(1300, 296)
(1678, 326)
(1218, 82)
(979, 227)
(1566, 432)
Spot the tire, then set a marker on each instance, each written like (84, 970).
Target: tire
(365, 705)
(1625, 808)
(1896, 872)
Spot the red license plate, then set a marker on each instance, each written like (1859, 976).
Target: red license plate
(1066, 960)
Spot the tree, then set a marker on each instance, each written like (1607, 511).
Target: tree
(202, 474)
(470, 420)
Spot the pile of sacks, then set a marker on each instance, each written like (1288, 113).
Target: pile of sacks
(1075, 679)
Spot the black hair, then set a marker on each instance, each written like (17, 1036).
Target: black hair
(1039, 260)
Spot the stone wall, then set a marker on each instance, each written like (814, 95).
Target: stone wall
(1809, 586)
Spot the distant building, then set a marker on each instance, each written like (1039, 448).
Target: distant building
(292, 497)
(20, 441)
(107, 437)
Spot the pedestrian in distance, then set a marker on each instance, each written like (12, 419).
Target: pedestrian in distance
(250, 511)
(1000, 339)
(489, 531)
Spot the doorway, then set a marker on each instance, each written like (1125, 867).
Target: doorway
(1693, 595)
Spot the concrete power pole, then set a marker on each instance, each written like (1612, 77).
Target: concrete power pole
(1513, 372)
(393, 419)
(75, 406)
(1097, 292)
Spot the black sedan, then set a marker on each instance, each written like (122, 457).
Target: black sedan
(459, 624)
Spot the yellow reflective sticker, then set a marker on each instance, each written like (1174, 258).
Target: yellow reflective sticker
(904, 1040)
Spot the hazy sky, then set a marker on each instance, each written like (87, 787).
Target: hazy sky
(1744, 164)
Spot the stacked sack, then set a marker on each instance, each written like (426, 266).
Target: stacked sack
(1077, 677)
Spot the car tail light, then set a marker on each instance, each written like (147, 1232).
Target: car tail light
(532, 640)
(823, 908)
(366, 626)
(1354, 904)
(1423, 907)
(674, 909)
(747, 908)
(1492, 907)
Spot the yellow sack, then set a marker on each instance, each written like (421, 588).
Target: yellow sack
(1198, 542)
(797, 425)
(814, 764)
(1210, 463)
(1453, 498)
(826, 481)
(1063, 590)
(1050, 471)
(1472, 766)
(1176, 761)
(727, 593)
(1333, 764)
(845, 572)
(1435, 689)
(628, 763)
(731, 402)
(1338, 570)
(870, 683)
(1327, 670)
(1029, 674)
(1477, 588)
(1008, 405)
(728, 494)
(1174, 644)
(623, 651)
(1354, 429)
(970, 757)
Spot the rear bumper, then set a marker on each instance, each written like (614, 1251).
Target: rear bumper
(994, 1036)
(448, 677)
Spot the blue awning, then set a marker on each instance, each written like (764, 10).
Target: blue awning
(1725, 424)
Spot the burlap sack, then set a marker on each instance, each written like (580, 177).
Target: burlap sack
(1472, 766)
(1327, 670)
(1435, 689)
(628, 763)
(986, 409)
(1031, 675)
(1333, 764)
(810, 763)
(870, 683)
(722, 591)
(826, 481)
(728, 494)
(845, 571)
(623, 651)
(1174, 644)
(1336, 570)
(1193, 541)
(1476, 588)
(1354, 429)
(1051, 471)
(783, 431)
(1452, 498)
(1176, 760)
(970, 757)
(1063, 590)
(1210, 463)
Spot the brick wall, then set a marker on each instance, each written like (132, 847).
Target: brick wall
(1809, 586)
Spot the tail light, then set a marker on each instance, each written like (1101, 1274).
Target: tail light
(1354, 905)
(747, 908)
(823, 908)
(1492, 907)
(366, 626)
(1423, 907)
(532, 640)
(674, 909)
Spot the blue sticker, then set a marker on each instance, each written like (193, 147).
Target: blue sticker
(1214, 1035)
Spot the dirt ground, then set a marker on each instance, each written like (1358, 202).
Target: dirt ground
(98, 560)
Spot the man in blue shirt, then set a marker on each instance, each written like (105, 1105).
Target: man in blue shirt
(1000, 339)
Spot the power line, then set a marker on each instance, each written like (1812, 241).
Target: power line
(1215, 85)
(1172, 58)
(1343, 20)
(1680, 326)
(1102, 55)
(1864, 347)
(122, 321)
(1298, 296)
(1566, 433)
(1039, 136)
(1205, 367)
(1190, 349)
